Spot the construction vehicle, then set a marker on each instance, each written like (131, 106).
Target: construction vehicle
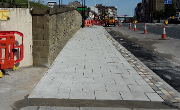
(110, 20)
(107, 17)
(174, 19)
(169, 20)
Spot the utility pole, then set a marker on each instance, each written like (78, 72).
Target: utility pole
(84, 10)
(59, 3)
(82, 16)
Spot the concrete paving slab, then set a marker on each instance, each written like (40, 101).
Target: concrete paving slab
(136, 77)
(105, 95)
(103, 108)
(94, 87)
(135, 88)
(37, 93)
(57, 108)
(134, 96)
(147, 89)
(154, 97)
(129, 81)
(126, 76)
(62, 94)
(78, 94)
(50, 92)
(141, 82)
(117, 88)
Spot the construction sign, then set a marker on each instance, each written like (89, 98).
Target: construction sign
(4, 14)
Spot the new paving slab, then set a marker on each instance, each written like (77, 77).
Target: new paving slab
(90, 67)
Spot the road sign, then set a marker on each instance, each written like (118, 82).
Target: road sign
(4, 14)
(167, 1)
(124, 15)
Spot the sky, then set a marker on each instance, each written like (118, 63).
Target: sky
(124, 7)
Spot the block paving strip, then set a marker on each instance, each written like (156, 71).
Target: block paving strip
(162, 90)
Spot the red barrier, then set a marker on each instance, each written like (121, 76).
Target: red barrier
(93, 22)
(6, 42)
(99, 22)
(88, 23)
(12, 46)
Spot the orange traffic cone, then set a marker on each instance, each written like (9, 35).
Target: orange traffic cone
(164, 33)
(130, 25)
(145, 29)
(135, 27)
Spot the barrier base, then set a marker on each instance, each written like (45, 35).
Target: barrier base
(1, 74)
(14, 68)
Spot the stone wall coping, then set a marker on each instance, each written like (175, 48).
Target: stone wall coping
(39, 11)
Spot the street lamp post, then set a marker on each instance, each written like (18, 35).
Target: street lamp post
(82, 15)
(84, 9)
(59, 3)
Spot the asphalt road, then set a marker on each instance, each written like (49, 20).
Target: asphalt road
(162, 67)
(172, 30)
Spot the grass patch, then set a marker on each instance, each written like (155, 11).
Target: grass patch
(23, 4)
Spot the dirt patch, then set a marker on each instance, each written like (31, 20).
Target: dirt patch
(18, 84)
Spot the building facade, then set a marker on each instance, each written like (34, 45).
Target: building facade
(108, 9)
(148, 7)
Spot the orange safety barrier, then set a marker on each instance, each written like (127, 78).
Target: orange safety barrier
(88, 23)
(7, 42)
(99, 22)
(93, 22)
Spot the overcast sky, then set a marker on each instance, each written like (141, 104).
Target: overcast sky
(125, 7)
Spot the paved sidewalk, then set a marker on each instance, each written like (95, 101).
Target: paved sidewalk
(90, 67)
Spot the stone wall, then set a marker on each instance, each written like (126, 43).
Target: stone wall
(51, 31)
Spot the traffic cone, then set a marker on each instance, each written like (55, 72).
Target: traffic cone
(135, 27)
(130, 25)
(164, 33)
(145, 29)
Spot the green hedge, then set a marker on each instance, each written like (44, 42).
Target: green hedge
(33, 4)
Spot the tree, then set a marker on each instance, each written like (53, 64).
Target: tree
(170, 10)
(158, 14)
